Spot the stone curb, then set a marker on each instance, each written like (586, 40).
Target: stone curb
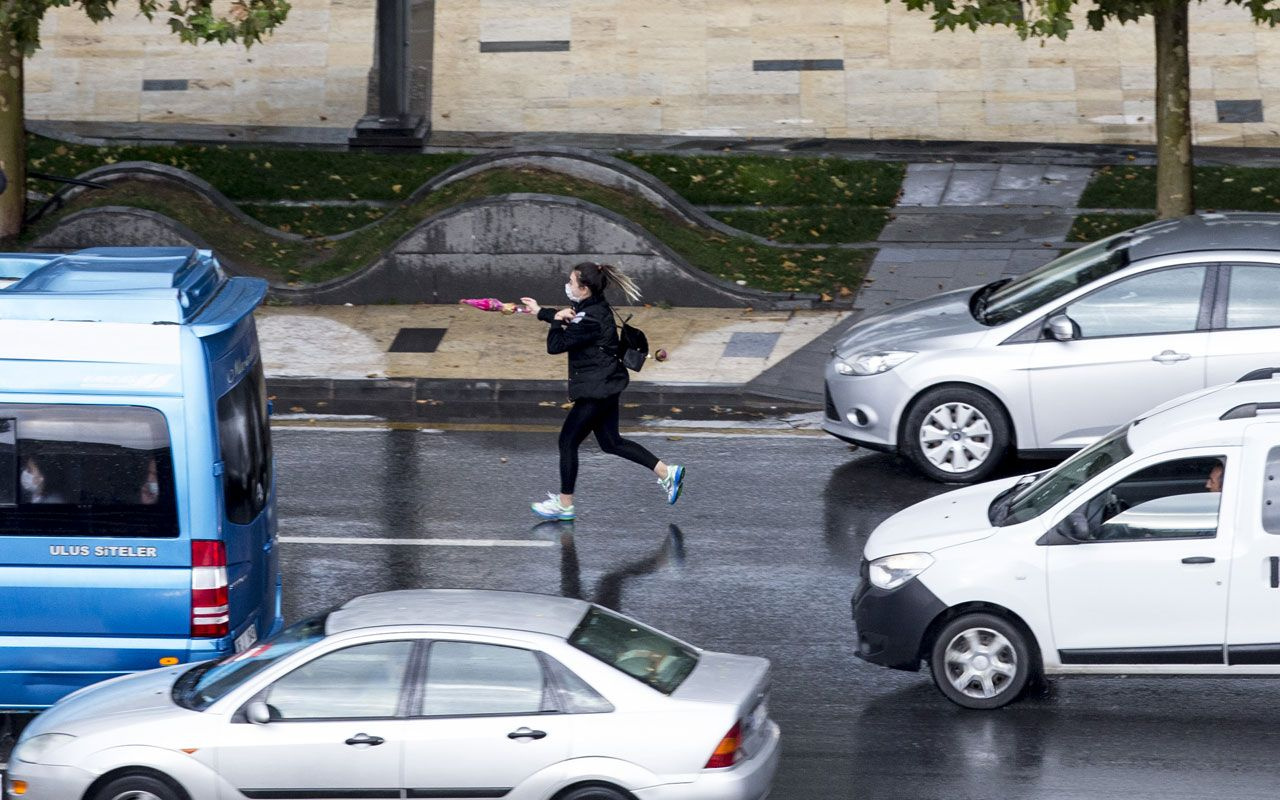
(513, 401)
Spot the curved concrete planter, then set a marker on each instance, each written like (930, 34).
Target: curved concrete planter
(505, 246)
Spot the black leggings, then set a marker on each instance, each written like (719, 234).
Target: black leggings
(601, 418)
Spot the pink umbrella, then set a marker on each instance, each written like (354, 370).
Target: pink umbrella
(494, 304)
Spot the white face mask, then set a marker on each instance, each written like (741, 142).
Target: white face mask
(29, 484)
(152, 488)
(568, 292)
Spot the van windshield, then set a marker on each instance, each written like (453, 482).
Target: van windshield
(1038, 497)
(999, 303)
(207, 683)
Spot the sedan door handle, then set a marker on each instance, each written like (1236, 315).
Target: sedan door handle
(1197, 560)
(364, 738)
(1170, 357)
(525, 733)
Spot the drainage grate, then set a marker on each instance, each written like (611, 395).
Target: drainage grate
(417, 340)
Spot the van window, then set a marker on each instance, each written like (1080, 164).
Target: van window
(245, 440)
(1176, 499)
(85, 470)
(1271, 493)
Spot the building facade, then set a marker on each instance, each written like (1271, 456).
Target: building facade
(762, 68)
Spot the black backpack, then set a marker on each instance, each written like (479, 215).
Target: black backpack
(633, 345)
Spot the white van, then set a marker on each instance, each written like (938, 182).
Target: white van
(1154, 551)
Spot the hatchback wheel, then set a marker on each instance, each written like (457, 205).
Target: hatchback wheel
(981, 661)
(137, 787)
(955, 434)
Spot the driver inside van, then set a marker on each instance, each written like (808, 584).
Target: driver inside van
(1214, 481)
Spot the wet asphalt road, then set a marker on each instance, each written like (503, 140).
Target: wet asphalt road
(760, 556)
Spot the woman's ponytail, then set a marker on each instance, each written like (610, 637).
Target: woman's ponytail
(598, 277)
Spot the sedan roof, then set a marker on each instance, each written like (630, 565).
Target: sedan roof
(521, 611)
(1236, 231)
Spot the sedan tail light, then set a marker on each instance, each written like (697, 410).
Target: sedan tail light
(726, 753)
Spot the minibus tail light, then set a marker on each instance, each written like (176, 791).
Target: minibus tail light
(726, 754)
(210, 613)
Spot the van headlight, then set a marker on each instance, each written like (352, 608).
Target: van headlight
(873, 363)
(890, 572)
(37, 748)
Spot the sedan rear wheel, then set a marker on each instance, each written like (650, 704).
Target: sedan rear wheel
(595, 792)
(981, 661)
(956, 434)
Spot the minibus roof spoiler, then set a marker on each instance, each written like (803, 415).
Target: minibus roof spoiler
(141, 285)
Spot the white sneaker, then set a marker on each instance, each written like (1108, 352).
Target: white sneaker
(551, 508)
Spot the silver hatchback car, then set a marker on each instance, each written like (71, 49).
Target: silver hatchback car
(1050, 361)
(421, 693)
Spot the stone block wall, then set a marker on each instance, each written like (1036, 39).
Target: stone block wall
(312, 72)
(763, 68)
(832, 68)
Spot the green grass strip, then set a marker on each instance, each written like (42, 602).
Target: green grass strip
(1216, 188)
(810, 224)
(1092, 227)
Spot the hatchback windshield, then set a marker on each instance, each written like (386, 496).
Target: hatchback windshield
(999, 303)
(208, 683)
(643, 653)
(1043, 494)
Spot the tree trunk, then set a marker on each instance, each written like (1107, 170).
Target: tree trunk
(13, 156)
(1174, 168)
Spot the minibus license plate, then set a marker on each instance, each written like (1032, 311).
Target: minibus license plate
(247, 639)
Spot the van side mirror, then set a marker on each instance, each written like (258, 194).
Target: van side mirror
(1061, 328)
(257, 712)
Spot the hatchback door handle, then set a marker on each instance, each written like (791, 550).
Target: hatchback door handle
(1197, 560)
(364, 738)
(525, 733)
(1170, 357)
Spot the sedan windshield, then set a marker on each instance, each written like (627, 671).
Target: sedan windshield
(1038, 497)
(1004, 302)
(643, 653)
(206, 684)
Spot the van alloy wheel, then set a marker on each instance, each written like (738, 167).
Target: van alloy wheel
(955, 437)
(981, 663)
(137, 794)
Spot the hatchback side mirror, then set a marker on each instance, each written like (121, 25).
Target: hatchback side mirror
(257, 712)
(1061, 328)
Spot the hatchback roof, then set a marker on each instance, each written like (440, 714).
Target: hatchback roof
(1207, 418)
(1235, 231)
(521, 611)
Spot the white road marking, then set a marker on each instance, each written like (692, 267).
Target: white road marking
(417, 542)
(716, 430)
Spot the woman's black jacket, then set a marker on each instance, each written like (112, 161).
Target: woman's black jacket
(591, 340)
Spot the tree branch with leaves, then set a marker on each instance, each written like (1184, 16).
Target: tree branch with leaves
(1044, 19)
(193, 21)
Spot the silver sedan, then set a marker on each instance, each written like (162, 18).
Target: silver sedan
(1050, 361)
(421, 693)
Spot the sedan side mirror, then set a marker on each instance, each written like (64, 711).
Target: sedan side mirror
(257, 712)
(1061, 328)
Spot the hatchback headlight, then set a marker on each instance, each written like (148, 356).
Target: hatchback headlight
(890, 572)
(873, 363)
(37, 748)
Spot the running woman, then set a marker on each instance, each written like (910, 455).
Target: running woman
(586, 331)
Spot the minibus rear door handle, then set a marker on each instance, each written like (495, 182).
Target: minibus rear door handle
(1197, 560)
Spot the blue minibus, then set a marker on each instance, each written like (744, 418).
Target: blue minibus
(137, 500)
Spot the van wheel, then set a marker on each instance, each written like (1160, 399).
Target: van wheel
(955, 434)
(981, 661)
(137, 787)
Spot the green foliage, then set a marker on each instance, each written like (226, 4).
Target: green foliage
(1217, 188)
(1092, 227)
(258, 173)
(774, 181)
(1045, 19)
(194, 21)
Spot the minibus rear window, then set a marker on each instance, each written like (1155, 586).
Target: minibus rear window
(86, 470)
(245, 439)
